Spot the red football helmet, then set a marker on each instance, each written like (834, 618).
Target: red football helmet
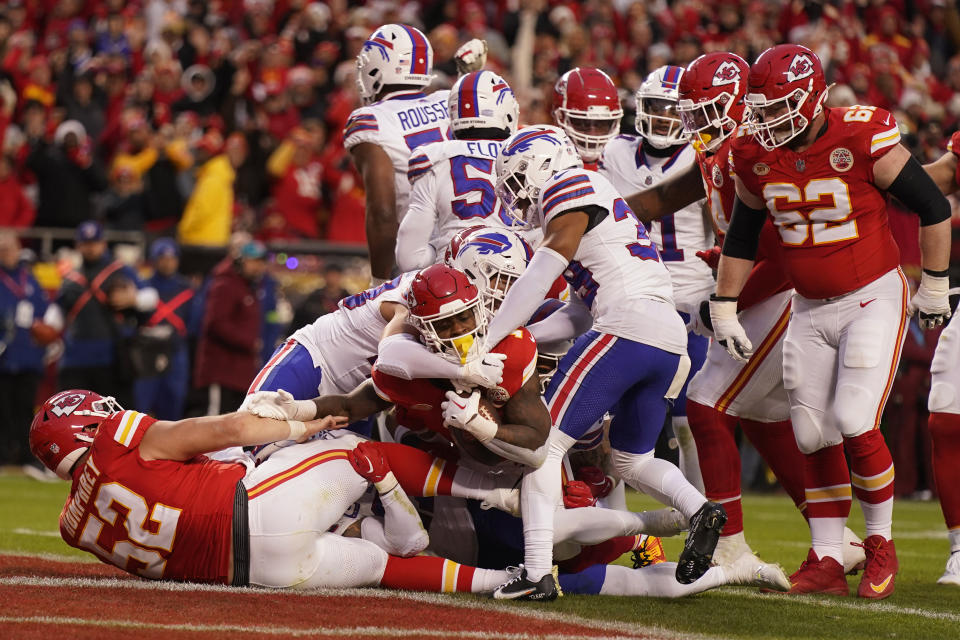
(437, 296)
(786, 92)
(64, 427)
(586, 106)
(711, 97)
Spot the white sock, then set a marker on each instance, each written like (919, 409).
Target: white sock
(468, 483)
(953, 535)
(689, 462)
(656, 580)
(540, 497)
(486, 580)
(878, 518)
(827, 537)
(594, 525)
(659, 479)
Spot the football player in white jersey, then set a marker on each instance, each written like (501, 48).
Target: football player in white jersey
(452, 181)
(393, 68)
(633, 163)
(630, 362)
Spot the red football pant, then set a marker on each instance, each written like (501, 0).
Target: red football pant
(945, 433)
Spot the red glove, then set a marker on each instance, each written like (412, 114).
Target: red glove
(710, 256)
(599, 483)
(368, 461)
(577, 494)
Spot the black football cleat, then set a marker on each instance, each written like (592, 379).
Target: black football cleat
(705, 526)
(521, 588)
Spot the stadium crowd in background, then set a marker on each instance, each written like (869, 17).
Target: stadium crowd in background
(132, 112)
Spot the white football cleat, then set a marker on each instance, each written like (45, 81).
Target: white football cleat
(952, 573)
(854, 557)
(732, 548)
(750, 571)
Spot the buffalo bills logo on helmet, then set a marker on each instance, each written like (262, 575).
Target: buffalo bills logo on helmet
(501, 89)
(800, 67)
(726, 73)
(66, 404)
(488, 243)
(522, 143)
(379, 43)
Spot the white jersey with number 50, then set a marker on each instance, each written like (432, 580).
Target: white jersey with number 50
(452, 189)
(398, 125)
(679, 235)
(616, 269)
(344, 343)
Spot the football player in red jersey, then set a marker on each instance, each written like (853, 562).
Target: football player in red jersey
(587, 107)
(944, 401)
(822, 175)
(144, 498)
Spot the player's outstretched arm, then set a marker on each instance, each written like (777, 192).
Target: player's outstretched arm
(186, 439)
(376, 171)
(559, 245)
(943, 171)
(668, 196)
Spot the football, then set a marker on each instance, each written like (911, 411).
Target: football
(469, 446)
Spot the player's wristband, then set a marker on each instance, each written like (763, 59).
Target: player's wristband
(388, 484)
(715, 298)
(297, 429)
(937, 274)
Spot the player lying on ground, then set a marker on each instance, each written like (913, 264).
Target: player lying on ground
(145, 499)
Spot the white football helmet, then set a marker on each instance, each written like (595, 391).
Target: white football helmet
(526, 160)
(482, 100)
(493, 258)
(394, 54)
(657, 118)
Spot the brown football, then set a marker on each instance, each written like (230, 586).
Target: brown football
(471, 447)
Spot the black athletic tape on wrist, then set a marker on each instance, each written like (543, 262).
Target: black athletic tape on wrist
(715, 298)
(937, 274)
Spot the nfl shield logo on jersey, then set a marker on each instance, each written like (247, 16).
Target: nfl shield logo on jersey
(841, 159)
(801, 165)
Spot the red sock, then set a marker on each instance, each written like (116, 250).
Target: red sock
(778, 447)
(871, 467)
(603, 553)
(427, 573)
(945, 433)
(418, 472)
(720, 463)
(827, 483)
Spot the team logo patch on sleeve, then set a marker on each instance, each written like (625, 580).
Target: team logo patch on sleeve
(761, 169)
(716, 176)
(841, 159)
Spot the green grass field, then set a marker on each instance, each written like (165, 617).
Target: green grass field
(920, 608)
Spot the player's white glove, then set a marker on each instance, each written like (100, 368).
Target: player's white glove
(485, 371)
(700, 322)
(931, 301)
(727, 329)
(280, 405)
(464, 413)
(471, 56)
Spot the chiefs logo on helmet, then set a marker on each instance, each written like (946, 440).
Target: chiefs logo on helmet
(727, 73)
(65, 405)
(800, 67)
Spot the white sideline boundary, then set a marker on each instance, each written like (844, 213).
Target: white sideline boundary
(619, 629)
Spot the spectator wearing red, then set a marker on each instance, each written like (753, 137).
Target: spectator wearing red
(16, 210)
(228, 351)
(297, 171)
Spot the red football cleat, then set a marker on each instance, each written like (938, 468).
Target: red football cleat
(819, 576)
(368, 461)
(880, 570)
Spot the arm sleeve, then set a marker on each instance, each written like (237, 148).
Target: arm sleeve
(743, 236)
(402, 356)
(527, 293)
(567, 322)
(413, 237)
(916, 189)
(532, 458)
